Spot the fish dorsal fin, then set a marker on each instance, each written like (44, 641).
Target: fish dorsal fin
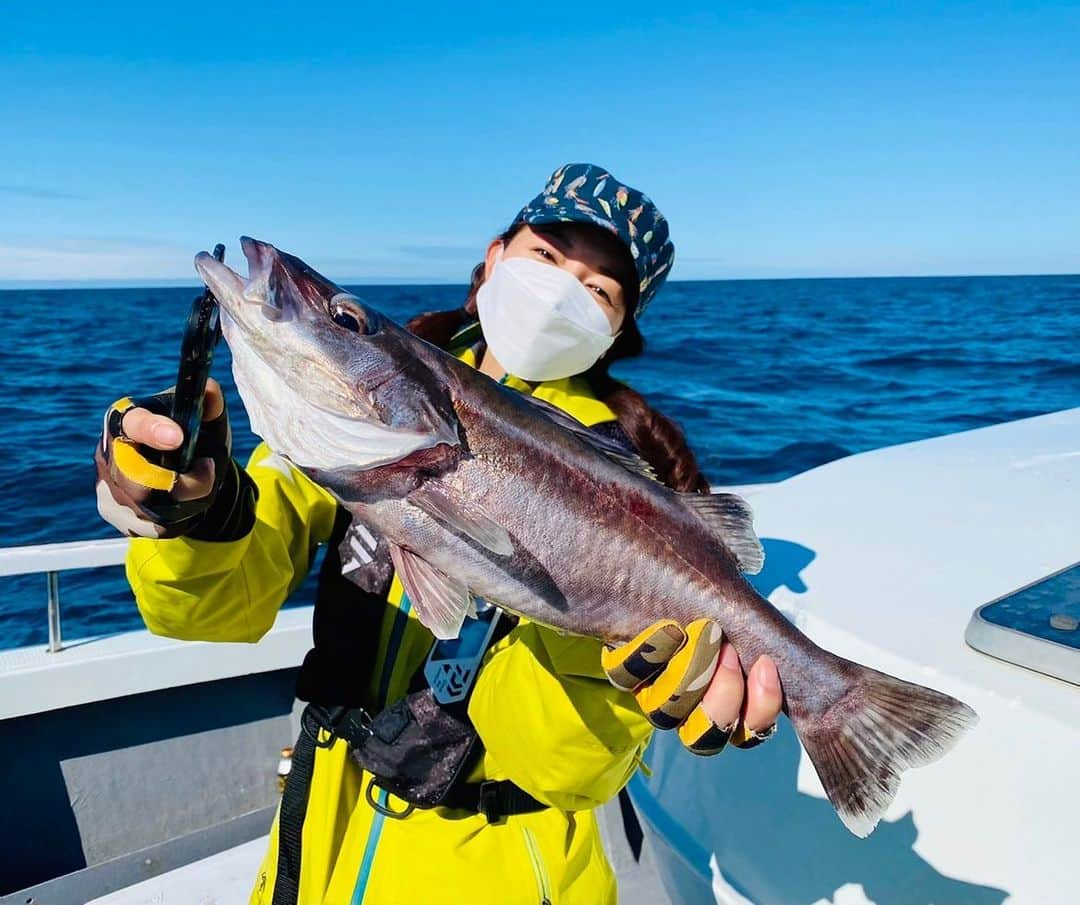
(631, 461)
(441, 602)
(618, 453)
(449, 508)
(731, 520)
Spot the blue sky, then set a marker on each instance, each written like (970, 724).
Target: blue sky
(389, 142)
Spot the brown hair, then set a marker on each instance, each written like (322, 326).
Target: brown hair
(658, 439)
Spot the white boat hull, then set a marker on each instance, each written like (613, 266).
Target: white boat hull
(882, 558)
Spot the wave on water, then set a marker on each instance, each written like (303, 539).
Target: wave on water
(907, 361)
(783, 463)
(1062, 371)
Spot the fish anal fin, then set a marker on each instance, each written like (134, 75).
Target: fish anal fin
(731, 520)
(447, 507)
(440, 601)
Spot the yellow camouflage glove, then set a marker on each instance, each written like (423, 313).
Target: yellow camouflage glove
(668, 670)
(215, 501)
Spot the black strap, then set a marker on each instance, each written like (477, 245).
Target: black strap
(494, 799)
(631, 825)
(294, 799)
(294, 802)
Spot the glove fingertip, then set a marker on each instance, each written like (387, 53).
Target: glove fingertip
(701, 736)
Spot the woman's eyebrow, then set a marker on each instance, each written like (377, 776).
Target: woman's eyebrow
(566, 243)
(560, 242)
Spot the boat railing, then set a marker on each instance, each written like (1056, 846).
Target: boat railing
(52, 559)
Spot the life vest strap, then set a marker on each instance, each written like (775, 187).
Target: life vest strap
(495, 799)
(294, 803)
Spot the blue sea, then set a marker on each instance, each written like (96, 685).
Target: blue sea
(768, 378)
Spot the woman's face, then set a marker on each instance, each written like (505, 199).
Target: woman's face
(591, 256)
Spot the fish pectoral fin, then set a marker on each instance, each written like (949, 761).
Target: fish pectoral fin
(441, 602)
(731, 521)
(448, 508)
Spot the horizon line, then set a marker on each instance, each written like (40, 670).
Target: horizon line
(14, 285)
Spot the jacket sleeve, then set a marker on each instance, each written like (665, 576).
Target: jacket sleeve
(551, 722)
(202, 590)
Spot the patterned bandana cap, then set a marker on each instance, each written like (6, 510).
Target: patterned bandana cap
(584, 193)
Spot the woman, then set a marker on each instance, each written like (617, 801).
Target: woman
(542, 736)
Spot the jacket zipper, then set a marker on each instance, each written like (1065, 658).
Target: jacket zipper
(543, 883)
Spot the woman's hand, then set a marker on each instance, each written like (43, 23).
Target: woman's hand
(139, 497)
(690, 679)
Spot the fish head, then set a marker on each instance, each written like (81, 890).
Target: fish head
(327, 381)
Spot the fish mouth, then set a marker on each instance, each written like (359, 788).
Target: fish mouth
(281, 285)
(291, 363)
(225, 283)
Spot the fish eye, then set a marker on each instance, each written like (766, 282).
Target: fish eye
(344, 319)
(347, 315)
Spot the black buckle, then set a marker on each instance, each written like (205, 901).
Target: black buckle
(355, 727)
(333, 720)
(489, 801)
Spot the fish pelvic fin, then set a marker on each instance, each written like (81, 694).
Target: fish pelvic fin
(441, 602)
(731, 521)
(880, 727)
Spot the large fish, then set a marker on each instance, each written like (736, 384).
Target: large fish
(483, 491)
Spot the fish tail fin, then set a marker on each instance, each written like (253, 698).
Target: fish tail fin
(878, 728)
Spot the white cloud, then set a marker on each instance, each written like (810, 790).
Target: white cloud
(93, 259)
(148, 261)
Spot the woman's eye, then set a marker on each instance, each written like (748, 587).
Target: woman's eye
(600, 291)
(343, 319)
(544, 253)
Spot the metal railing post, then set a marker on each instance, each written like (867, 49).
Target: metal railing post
(55, 642)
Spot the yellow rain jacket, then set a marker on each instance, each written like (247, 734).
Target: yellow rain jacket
(547, 716)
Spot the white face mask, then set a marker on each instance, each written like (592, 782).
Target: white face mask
(539, 321)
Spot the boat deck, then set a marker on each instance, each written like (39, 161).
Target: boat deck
(223, 877)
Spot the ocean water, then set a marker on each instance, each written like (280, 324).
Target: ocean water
(768, 378)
